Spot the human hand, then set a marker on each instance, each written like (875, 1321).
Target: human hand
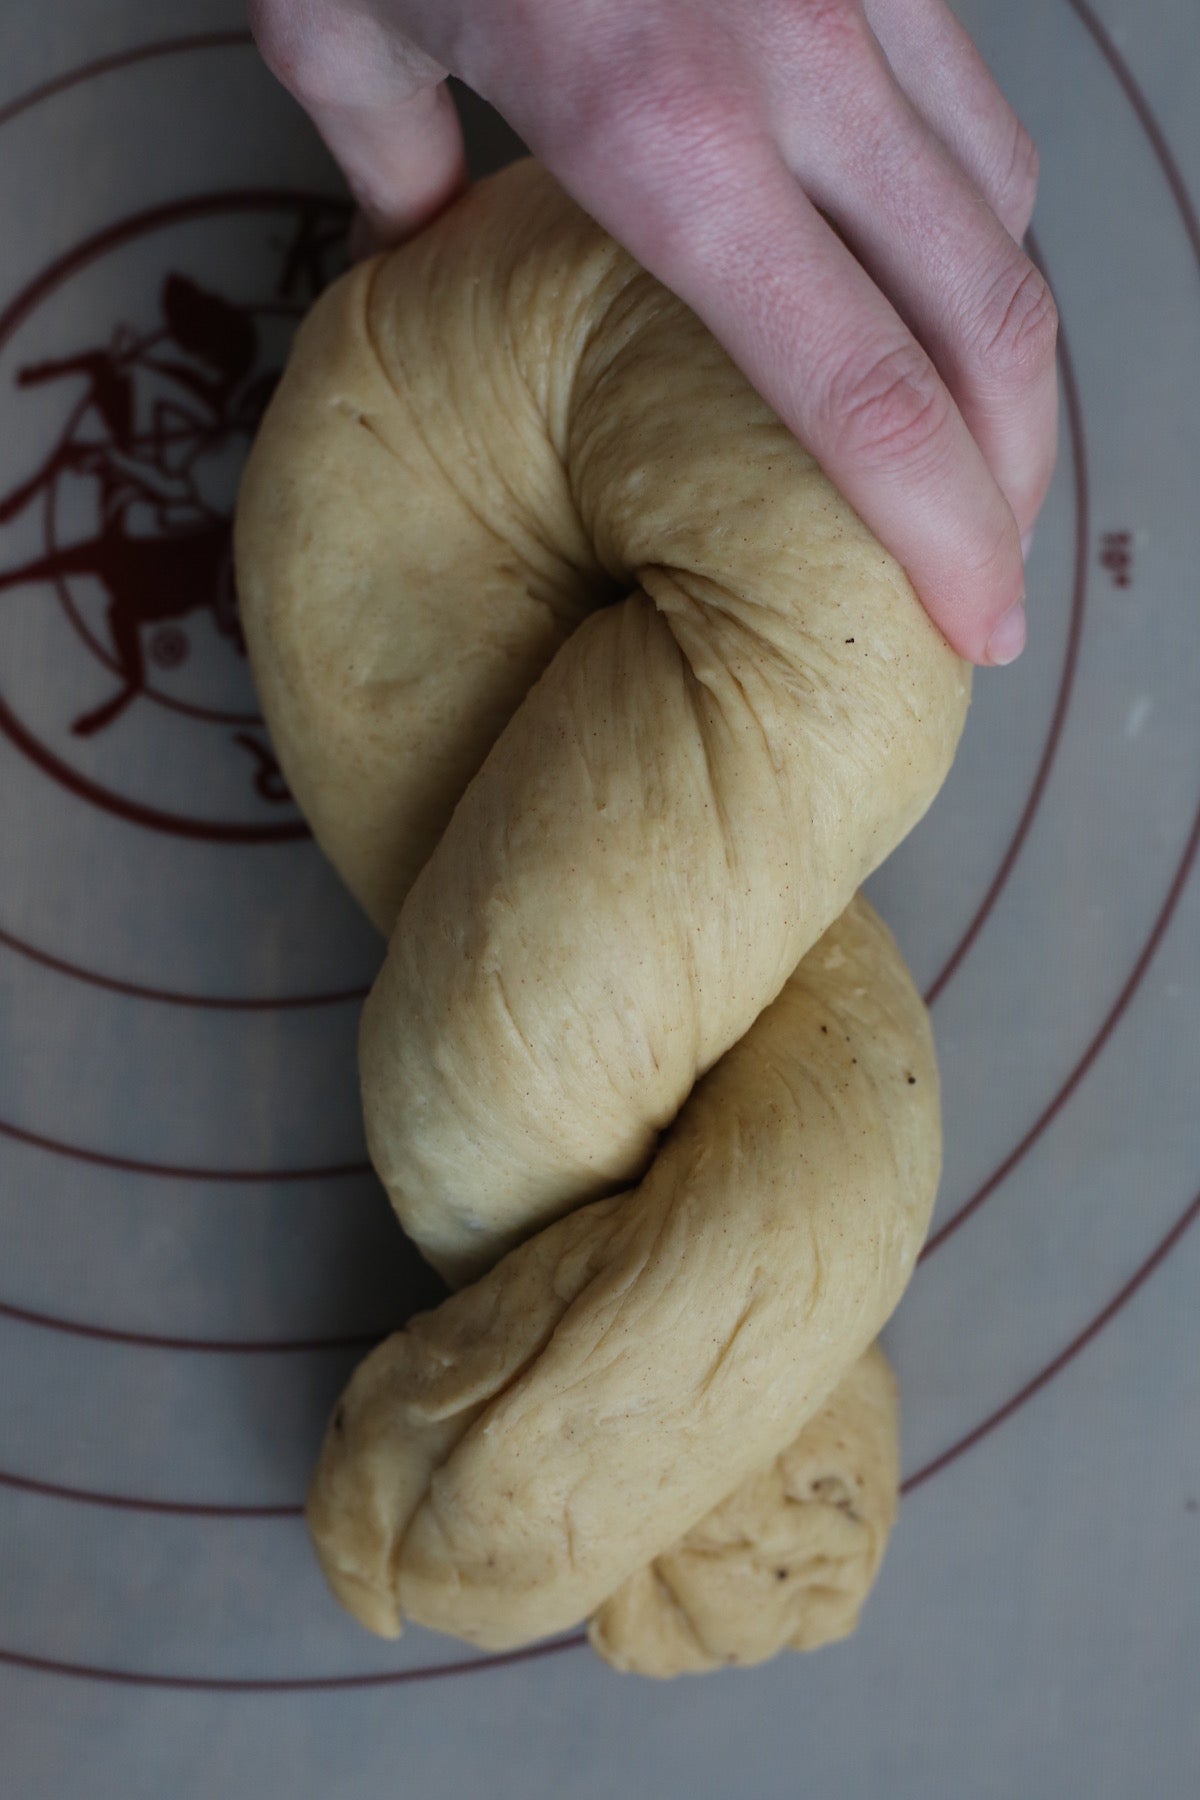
(836, 187)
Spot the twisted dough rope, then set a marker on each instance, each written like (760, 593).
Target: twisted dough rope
(641, 1075)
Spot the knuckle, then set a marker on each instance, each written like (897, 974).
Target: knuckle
(677, 136)
(682, 110)
(888, 412)
(616, 97)
(660, 92)
(837, 25)
(827, 45)
(1018, 330)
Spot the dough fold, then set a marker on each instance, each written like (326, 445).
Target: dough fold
(604, 703)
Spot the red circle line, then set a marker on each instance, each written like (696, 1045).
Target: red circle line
(1108, 1026)
(186, 1509)
(268, 1684)
(121, 59)
(175, 1171)
(1067, 1355)
(171, 997)
(147, 1340)
(133, 812)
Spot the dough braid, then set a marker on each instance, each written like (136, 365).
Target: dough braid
(604, 703)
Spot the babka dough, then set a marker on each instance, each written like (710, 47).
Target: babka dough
(604, 703)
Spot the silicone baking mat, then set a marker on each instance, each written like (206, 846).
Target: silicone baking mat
(193, 1252)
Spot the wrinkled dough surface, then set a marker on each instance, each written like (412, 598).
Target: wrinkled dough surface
(604, 703)
(505, 1463)
(785, 1561)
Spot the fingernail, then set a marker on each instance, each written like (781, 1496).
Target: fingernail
(1027, 544)
(1008, 638)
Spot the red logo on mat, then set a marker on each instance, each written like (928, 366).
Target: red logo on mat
(124, 519)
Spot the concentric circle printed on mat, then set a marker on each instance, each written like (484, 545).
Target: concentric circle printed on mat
(1170, 879)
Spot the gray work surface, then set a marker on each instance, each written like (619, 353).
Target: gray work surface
(184, 1224)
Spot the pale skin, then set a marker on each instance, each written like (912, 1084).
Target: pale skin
(838, 188)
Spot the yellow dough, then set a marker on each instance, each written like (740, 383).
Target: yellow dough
(604, 703)
(786, 1560)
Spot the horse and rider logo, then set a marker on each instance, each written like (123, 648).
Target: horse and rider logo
(132, 505)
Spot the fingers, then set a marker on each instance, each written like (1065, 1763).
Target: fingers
(380, 104)
(736, 238)
(916, 358)
(947, 80)
(962, 284)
